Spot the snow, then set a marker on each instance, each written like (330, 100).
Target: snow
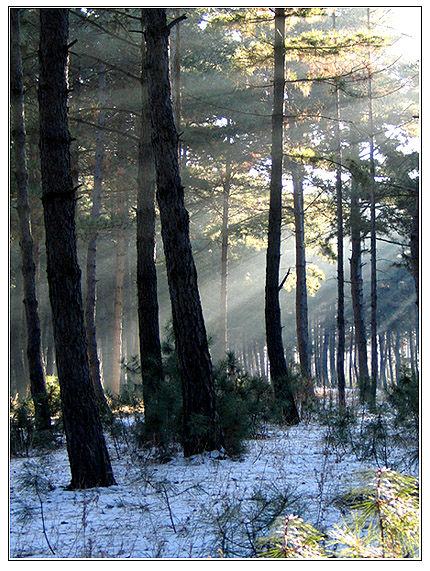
(201, 507)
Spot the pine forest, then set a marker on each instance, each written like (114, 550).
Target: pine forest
(214, 283)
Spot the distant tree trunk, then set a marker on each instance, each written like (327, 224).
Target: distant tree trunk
(340, 356)
(115, 386)
(373, 278)
(34, 348)
(357, 293)
(278, 366)
(201, 430)
(91, 291)
(88, 456)
(382, 359)
(301, 287)
(415, 249)
(223, 339)
(147, 296)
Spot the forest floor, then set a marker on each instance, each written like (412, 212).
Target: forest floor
(199, 507)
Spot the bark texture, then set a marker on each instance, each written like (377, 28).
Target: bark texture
(278, 366)
(200, 426)
(88, 456)
(34, 350)
(147, 295)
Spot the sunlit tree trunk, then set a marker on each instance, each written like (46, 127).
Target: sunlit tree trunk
(278, 366)
(201, 429)
(34, 348)
(88, 455)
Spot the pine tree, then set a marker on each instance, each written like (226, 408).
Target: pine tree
(88, 456)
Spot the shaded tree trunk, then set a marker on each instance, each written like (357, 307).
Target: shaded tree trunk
(340, 355)
(201, 430)
(88, 455)
(301, 287)
(91, 290)
(223, 338)
(373, 278)
(357, 293)
(147, 296)
(115, 386)
(278, 366)
(415, 249)
(34, 347)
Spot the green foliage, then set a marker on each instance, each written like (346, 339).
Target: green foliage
(21, 418)
(243, 403)
(383, 522)
(404, 397)
(257, 514)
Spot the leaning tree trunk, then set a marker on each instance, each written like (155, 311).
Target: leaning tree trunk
(147, 296)
(34, 349)
(278, 366)
(200, 426)
(88, 456)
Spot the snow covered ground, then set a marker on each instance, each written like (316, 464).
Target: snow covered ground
(199, 507)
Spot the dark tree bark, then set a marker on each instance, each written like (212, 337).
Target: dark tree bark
(91, 291)
(147, 296)
(415, 249)
(278, 366)
(373, 278)
(200, 426)
(357, 292)
(340, 356)
(34, 348)
(88, 456)
(301, 287)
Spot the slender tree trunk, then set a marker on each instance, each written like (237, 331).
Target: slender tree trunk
(118, 312)
(340, 356)
(91, 290)
(278, 366)
(301, 287)
(34, 348)
(147, 296)
(201, 430)
(357, 294)
(223, 339)
(415, 249)
(88, 456)
(373, 279)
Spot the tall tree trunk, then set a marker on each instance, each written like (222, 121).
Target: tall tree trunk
(301, 287)
(373, 279)
(340, 356)
(91, 290)
(175, 51)
(223, 338)
(88, 455)
(115, 386)
(147, 296)
(278, 366)
(34, 348)
(415, 248)
(357, 293)
(201, 430)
